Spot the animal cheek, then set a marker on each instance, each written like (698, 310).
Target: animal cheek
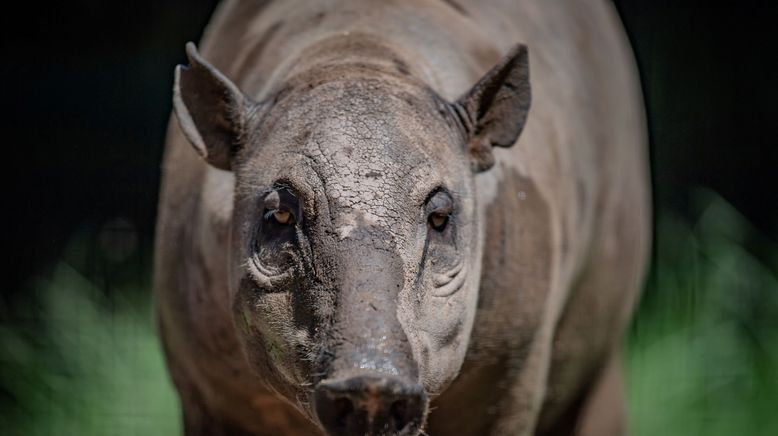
(269, 335)
(437, 329)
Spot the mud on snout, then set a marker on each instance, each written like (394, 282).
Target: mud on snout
(372, 386)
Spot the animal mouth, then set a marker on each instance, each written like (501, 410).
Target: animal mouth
(449, 282)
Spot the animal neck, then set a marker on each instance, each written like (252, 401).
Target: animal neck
(276, 40)
(355, 53)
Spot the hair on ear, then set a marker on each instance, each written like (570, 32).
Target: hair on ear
(493, 112)
(210, 109)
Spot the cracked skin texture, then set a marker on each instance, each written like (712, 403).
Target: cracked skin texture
(353, 117)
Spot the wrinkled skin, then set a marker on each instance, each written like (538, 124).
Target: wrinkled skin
(380, 224)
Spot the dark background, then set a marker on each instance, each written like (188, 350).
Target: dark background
(86, 89)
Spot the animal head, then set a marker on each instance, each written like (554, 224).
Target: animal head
(355, 241)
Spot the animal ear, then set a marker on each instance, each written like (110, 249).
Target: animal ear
(211, 110)
(493, 112)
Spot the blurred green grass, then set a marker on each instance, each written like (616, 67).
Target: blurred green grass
(702, 353)
(701, 356)
(81, 361)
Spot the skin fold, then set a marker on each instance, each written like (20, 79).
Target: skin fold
(388, 217)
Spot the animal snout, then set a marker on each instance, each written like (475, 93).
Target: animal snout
(370, 405)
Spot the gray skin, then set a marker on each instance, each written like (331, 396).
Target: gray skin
(388, 217)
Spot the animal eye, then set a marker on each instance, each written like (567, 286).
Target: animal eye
(280, 206)
(282, 216)
(438, 221)
(439, 208)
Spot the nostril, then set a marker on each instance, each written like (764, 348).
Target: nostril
(343, 409)
(369, 405)
(398, 413)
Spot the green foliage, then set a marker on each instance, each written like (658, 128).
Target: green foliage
(84, 364)
(702, 354)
